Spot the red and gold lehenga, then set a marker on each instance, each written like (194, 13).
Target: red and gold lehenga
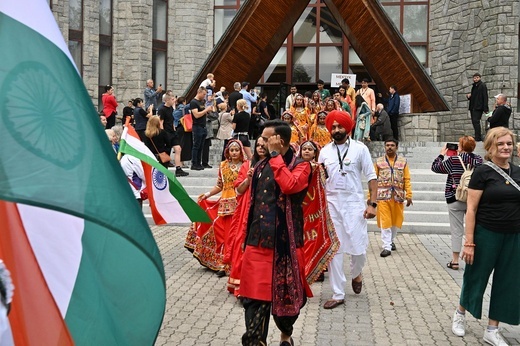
(211, 239)
(237, 233)
(320, 240)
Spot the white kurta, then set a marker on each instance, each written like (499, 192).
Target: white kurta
(345, 195)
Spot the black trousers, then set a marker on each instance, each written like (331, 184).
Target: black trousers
(257, 314)
(475, 120)
(205, 151)
(393, 124)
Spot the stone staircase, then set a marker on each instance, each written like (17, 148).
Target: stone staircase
(427, 215)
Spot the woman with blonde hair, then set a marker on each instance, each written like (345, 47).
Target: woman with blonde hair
(454, 167)
(492, 239)
(240, 125)
(156, 139)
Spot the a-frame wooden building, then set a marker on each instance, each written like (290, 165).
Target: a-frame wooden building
(244, 52)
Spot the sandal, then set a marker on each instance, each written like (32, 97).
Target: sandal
(454, 266)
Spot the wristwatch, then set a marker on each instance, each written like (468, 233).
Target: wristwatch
(372, 204)
(274, 153)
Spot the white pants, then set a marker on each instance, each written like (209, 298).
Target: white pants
(388, 236)
(337, 277)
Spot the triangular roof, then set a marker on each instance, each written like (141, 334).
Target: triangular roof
(260, 27)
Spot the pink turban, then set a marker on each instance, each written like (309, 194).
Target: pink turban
(343, 118)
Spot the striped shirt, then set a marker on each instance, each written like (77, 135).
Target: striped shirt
(453, 168)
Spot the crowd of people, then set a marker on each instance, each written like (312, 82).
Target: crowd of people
(372, 122)
(292, 203)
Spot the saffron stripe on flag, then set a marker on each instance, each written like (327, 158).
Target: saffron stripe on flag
(35, 318)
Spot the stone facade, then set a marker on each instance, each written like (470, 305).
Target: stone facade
(466, 36)
(190, 40)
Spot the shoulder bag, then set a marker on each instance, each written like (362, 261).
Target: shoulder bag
(187, 122)
(501, 172)
(162, 157)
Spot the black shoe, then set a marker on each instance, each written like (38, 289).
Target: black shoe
(321, 278)
(385, 253)
(170, 164)
(180, 173)
(393, 246)
(205, 165)
(197, 168)
(221, 273)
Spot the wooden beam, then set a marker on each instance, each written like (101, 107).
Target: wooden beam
(384, 52)
(250, 43)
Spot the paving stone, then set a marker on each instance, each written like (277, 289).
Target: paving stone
(200, 311)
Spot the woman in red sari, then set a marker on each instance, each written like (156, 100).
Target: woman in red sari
(237, 232)
(321, 241)
(212, 239)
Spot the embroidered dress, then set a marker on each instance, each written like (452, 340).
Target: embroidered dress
(319, 134)
(212, 239)
(320, 240)
(302, 116)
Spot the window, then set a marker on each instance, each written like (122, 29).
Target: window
(160, 42)
(411, 19)
(316, 47)
(105, 46)
(76, 32)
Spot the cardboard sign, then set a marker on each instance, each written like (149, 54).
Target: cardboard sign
(335, 79)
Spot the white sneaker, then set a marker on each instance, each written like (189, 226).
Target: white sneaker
(457, 325)
(493, 337)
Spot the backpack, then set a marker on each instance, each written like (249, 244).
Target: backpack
(461, 194)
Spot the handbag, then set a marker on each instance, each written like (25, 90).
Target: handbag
(501, 172)
(187, 122)
(162, 157)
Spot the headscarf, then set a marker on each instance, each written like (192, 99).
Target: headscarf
(343, 118)
(295, 97)
(315, 146)
(234, 142)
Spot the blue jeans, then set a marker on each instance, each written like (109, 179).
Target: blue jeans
(199, 135)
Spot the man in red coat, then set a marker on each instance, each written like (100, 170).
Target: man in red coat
(273, 265)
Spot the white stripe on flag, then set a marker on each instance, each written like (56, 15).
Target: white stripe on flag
(56, 241)
(137, 144)
(25, 11)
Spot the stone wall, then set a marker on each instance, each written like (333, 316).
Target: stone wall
(468, 37)
(191, 28)
(190, 40)
(131, 48)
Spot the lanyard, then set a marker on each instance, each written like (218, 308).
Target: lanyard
(392, 166)
(340, 158)
(391, 169)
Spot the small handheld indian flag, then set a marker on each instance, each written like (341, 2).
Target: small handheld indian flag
(84, 264)
(169, 201)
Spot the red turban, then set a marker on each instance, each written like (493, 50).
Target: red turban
(343, 118)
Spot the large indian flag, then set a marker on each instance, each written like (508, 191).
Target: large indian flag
(84, 263)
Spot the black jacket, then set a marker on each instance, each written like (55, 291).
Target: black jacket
(500, 117)
(479, 97)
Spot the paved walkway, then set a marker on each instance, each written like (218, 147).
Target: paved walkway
(408, 298)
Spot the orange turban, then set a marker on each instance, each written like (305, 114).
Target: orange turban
(343, 118)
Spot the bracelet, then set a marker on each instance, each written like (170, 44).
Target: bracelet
(469, 245)
(207, 194)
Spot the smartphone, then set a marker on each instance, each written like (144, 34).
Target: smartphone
(452, 149)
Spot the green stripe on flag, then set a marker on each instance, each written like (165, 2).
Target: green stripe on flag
(96, 312)
(190, 207)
